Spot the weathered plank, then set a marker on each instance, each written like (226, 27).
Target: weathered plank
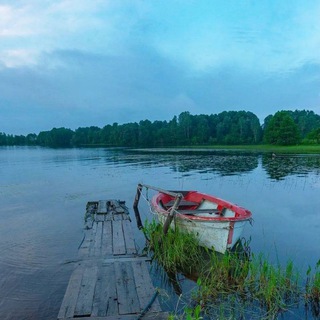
(71, 296)
(86, 293)
(148, 316)
(111, 281)
(144, 285)
(127, 295)
(96, 247)
(107, 239)
(126, 258)
(105, 297)
(129, 237)
(86, 243)
(118, 217)
(102, 207)
(100, 217)
(119, 246)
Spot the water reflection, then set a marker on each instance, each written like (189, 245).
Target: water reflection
(223, 163)
(219, 162)
(280, 166)
(43, 195)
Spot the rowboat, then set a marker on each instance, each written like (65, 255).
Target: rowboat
(218, 224)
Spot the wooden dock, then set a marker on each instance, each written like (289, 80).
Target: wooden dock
(111, 281)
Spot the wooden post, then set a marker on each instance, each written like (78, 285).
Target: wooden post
(171, 213)
(137, 197)
(137, 214)
(135, 206)
(178, 197)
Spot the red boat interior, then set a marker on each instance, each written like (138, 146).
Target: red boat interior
(190, 204)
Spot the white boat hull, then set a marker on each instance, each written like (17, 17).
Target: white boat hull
(217, 235)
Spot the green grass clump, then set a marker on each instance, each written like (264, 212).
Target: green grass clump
(312, 292)
(234, 285)
(176, 251)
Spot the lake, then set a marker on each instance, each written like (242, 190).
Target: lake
(44, 192)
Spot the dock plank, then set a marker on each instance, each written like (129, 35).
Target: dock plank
(102, 207)
(119, 246)
(144, 285)
(110, 281)
(96, 248)
(149, 316)
(129, 237)
(71, 295)
(84, 248)
(127, 295)
(107, 239)
(105, 299)
(86, 293)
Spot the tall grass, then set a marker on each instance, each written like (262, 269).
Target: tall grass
(312, 291)
(176, 251)
(236, 284)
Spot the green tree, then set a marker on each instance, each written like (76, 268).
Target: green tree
(306, 121)
(146, 133)
(184, 128)
(31, 139)
(3, 139)
(201, 132)
(314, 136)
(129, 135)
(281, 130)
(57, 137)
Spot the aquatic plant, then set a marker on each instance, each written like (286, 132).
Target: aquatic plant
(176, 251)
(312, 291)
(235, 284)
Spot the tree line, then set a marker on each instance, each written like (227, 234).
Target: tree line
(225, 128)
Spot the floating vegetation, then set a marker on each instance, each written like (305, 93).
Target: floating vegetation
(236, 285)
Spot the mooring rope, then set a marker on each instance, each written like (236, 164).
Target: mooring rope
(149, 305)
(146, 198)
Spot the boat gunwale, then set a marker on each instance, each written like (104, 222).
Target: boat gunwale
(242, 213)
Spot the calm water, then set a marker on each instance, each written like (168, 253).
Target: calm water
(43, 195)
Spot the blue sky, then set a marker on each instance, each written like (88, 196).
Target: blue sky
(95, 62)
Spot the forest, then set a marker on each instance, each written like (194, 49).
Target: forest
(226, 128)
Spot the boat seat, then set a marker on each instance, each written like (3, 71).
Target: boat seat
(182, 203)
(198, 211)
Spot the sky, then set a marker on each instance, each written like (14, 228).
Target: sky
(81, 63)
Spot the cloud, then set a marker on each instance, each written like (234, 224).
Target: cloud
(202, 35)
(44, 26)
(83, 89)
(267, 37)
(81, 63)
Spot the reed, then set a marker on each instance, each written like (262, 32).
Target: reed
(176, 251)
(232, 285)
(312, 290)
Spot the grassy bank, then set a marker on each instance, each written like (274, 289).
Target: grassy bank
(235, 285)
(299, 149)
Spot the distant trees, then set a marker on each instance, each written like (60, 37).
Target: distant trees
(313, 137)
(60, 137)
(306, 121)
(288, 127)
(225, 128)
(15, 140)
(281, 129)
(238, 127)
